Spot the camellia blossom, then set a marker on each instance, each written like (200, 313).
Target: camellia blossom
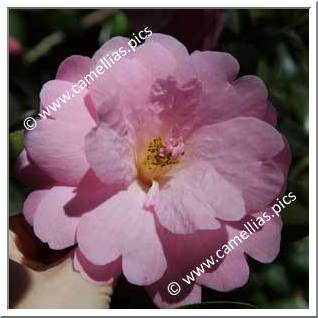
(154, 166)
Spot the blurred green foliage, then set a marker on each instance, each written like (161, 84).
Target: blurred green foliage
(272, 44)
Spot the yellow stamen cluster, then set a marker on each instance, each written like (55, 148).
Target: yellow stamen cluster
(153, 157)
(154, 164)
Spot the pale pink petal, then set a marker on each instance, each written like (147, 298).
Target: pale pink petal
(159, 58)
(74, 68)
(239, 138)
(89, 194)
(233, 149)
(259, 182)
(110, 155)
(114, 44)
(30, 174)
(184, 253)
(284, 158)
(58, 149)
(124, 228)
(51, 224)
(146, 263)
(264, 246)
(214, 67)
(261, 242)
(224, 97)
(31, 204)
(152, 196)
(175, 47)
(246, 96)
(176, 104)
(59, 98)
(57, 145)
(232, 273)
(194, 297)
(194, 197)
(133, 90)
(129, 93)
(99, 275)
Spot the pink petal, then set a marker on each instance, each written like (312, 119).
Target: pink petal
(176, 48)
(194, 297)
(58, 149)
(223, 98)
(232, 273)
(175, 104)
(259, 182)
(99, 275)
(264, 245)
(51, 224)
(89, 194)
(160, 56)
(30, 174)
(247, 139)
(284, 158)
(152, 196)
(57, 146)
(69, 104)
(194, 197)
(74, 68)
(31, 204)
(184, 253)
(247, 96)
(242, 150)
(111, 46)
(130, 93)
(133, 89)
(121, 227)
(214, 67)
(110, 155)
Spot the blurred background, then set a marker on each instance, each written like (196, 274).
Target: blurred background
(272, 44)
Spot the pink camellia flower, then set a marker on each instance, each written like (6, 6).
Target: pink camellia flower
(154, 166)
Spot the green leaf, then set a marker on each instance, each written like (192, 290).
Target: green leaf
(117, 24)
(17, 25)
(17, 195)
(16, 143)
(276, 278)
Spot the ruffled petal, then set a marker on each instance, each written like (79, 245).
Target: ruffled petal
(74, 68)
(56, 146)
(110, 155)
(51, 223)
(243, 151)
(232, 273)
(121, 227)
(194, 197)
(193, 297)
(99, 275)
(30, 174)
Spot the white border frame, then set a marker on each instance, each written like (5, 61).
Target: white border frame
(5, 4)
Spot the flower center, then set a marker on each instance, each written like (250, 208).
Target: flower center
(160, 156)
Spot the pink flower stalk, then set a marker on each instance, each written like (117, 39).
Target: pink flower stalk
(156, 165)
